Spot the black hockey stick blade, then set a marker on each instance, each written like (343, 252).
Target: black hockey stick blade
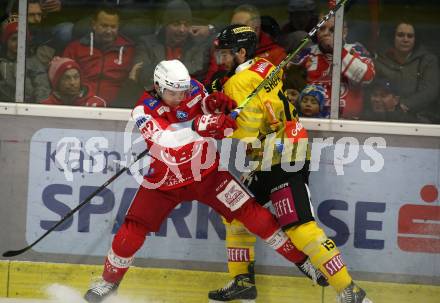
(13, 253)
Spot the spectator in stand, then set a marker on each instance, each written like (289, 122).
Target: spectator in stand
(303, 17)
(8, 59)
(384, 103)
(311, 102)
(270, 26)
(294, 81)
(36, 83)
(67, 89)
(357, 69)
(174, 40)
(267, 48)
(60, 32)
(37, 15)
(40, 49)
(35, 12)
(48, 35)
(413, 70)
(104, 55)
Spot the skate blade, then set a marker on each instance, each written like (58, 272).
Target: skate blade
(242, 301)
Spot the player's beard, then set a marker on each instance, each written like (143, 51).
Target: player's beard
(234, 66)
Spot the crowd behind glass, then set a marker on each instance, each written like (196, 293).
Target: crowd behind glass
(102, 53)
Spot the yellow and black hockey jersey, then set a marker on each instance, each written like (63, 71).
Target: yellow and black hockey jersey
(264, 117)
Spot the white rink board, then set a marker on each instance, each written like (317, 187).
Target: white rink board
(360, 209)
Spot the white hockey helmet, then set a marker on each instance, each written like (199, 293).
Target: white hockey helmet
(172, 75)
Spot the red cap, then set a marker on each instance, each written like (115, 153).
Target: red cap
(8, 29)
(58, 67)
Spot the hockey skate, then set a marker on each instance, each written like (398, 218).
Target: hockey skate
(241, 288)
(312, 273)
(100, 290)
(352, 294)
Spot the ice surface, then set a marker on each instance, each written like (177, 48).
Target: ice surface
(57, 293)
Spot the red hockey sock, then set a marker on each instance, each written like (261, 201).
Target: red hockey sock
(257, 219)
(291, 253)
(126, 243)
(260, 221)
(115, 267)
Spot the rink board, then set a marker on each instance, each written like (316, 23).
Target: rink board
(30, 279)
(3, 278)
(385, 225)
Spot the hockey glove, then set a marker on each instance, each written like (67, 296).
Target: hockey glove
(214, 125)
(218, 103)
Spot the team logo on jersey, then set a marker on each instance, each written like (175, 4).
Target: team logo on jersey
(261, 66)
(233, 196)
(173, 157)
(181, 115)
(151, 103)
(295, 131)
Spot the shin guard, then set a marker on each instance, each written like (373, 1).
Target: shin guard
(115, 267)
(323, 253)
(282, 244)
(240, 248)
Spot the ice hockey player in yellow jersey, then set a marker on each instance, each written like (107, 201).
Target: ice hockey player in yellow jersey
(269, 125)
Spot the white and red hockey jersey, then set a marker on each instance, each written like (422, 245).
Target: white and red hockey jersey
(179, 155)
(357, 69)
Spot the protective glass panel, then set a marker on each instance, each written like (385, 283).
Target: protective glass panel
(309, 76)
(398, 35)
(103, 53)
(8, 51)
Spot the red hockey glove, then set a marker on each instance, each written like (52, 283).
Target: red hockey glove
(213, 125)
(218, 102)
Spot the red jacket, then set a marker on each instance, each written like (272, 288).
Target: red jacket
(179, 155)
(86, 98)
(357, 70)
(267, 48)
(103, 71)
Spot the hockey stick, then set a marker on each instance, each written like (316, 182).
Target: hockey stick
(289, 57)
(12, 253)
